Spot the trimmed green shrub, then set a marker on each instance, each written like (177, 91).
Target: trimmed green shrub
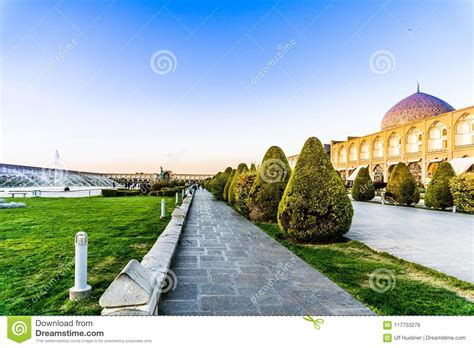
(269, 186)
(402, 188)
(243, 186)
(315, 206)
(241, 168)
(253, 168)
(219, 182)
(438, 194)
(109, 193)
(227, 185)
(462, 189)
(363, 188)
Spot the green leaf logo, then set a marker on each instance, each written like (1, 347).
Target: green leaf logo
(19, 329)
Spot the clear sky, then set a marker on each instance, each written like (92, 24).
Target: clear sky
(90, 78)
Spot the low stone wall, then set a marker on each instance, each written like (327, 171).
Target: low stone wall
(138, 287)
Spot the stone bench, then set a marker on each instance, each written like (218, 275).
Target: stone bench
(138, 287)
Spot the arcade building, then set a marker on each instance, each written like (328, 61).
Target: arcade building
(421, 131)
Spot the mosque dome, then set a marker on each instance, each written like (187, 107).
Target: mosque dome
(415, 107)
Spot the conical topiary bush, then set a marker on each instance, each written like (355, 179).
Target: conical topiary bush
(253, 169)
(315, 206)
(401, 187)
(363, 188)
(438, 194)
(219, 183)
(269, 185)
(227, 185)
(242, 167)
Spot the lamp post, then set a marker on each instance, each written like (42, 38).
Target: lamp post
(81, 289)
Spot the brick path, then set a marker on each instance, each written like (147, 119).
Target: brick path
(225, 265)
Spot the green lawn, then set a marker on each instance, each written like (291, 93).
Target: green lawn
(417, 290)
(37, 249)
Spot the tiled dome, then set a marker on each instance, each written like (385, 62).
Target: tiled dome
(416, 107)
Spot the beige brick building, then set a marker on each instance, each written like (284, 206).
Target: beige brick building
(421, 131)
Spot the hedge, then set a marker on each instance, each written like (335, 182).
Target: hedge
(227, 185)
(269, 186)
(462, 189)
(438, 194)
(241, 168)
(242, 189)
(315, 206)
(363, 188)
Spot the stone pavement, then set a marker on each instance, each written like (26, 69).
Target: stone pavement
(225, 265)
(439, 240)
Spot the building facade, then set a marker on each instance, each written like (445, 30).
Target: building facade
(421, 131)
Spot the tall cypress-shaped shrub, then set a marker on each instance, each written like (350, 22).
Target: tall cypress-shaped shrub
(227, 185)
(220, 180)
(401, 187)
(241, 168)
(438, 194)
(242, 189)
(363, 188)
(315, 206)
(270, 183)
(462, 189)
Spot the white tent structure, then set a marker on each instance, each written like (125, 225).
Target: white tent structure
(353, 176)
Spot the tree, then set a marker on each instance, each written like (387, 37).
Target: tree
(462, 189)
(227, 185)
(242, 189)
(363, 188)
(241, 168)
(401, 187)
(253, 168)
(438, 194)
(269, 185)
(315, 206)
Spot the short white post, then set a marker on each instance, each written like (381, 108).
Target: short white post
(183, 194)
(454, 208)
(382, 196)
(163, 208)
(81, 289)
(177, 198)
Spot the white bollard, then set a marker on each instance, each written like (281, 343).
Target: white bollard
(177, 198)
(163, 208)
(81, 289)
(183, 194)
(454, 208)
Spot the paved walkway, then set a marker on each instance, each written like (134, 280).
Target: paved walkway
(225, 265)
(436, 239)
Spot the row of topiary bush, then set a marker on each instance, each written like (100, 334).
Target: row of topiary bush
(443, 191)
(309, 203)
(167, 191)
(119, 193)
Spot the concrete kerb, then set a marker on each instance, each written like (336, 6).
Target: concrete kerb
(137, 288)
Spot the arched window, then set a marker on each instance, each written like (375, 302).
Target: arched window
(394, 145)
(377, 150)
(437, 137)
(342, 155)
(352, 152)
(364, 150)
(414, 140)
(464, 131)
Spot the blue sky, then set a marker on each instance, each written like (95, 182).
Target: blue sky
(77, 76)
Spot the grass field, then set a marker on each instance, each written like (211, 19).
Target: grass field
(416, 290)
(37, 249)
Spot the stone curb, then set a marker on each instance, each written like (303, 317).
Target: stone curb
(138, 287)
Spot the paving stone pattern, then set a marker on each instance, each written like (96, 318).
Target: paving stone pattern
(225, 265)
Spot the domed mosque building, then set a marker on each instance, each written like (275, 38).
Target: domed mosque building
(421, 131)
